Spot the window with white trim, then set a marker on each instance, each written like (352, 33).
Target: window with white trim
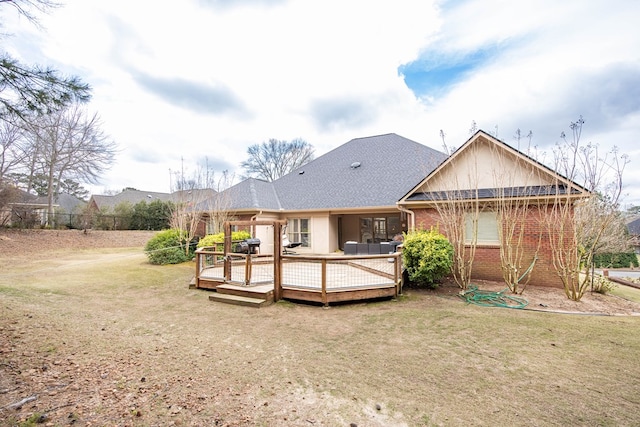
(298, 230)
(487, 231)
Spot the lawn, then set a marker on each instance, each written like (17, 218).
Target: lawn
(101, 337)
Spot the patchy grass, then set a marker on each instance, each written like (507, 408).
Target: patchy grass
(626, 292)
(111, 339)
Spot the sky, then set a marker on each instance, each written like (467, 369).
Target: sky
(178, 85)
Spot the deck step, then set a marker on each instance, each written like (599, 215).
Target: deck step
(238, 300)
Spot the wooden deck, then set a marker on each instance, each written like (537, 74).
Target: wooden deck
(316, 279)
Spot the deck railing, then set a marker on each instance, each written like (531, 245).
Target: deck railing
(333, 272)
(302, 275)
(212, 261)
(237, 268)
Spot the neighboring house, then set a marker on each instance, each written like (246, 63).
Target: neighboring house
(104, 203)
(633, 227)
(370, 189)
(29, 210)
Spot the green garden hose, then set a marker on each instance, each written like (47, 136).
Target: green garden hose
(473, 295)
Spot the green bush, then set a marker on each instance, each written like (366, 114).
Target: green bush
(168, 247)
(615, 260)
(428, 256)
(210, 240)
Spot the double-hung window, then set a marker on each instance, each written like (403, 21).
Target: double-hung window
(298, 231)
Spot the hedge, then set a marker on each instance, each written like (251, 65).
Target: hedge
(615, 260)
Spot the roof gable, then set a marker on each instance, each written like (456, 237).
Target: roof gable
(494, 168)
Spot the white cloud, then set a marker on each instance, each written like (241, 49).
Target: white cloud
(327, 72)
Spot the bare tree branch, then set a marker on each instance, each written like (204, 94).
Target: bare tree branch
(27, 90)
(579, 228)
(274, 159)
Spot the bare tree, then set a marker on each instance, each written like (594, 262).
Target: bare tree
(197, 199)
(458, 207)
(275, 158)
(13, 150)
(577, 226)
(514, 179)
(458, 211)
(218, 208)
(184, 217)
(70, 145)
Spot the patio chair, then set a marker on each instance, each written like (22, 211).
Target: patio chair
(286, 244)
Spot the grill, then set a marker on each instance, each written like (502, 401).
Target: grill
(248, 246)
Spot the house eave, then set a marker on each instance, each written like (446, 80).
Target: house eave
(493, 200)
(343, 211)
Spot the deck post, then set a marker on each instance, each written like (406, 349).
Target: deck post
(324, 283)
(227, 251)
(277, 260)
(247, 269)
(198, 267)
(400, 275)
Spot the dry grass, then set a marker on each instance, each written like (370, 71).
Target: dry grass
(103, 338)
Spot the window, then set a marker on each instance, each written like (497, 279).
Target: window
(487, 228)
(379, 229)
(298, 231)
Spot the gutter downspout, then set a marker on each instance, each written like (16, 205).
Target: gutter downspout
(410, 215)
(253, 227)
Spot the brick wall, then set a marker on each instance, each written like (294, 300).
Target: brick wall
(486, 265)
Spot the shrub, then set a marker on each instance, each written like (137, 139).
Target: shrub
(168, 247)
(428, 256)
(212, 239)
(602, 285)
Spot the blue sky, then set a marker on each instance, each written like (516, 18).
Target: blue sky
(175, 85)
(432, 74)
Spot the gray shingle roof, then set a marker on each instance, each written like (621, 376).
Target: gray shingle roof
(250, 194)
(63, 201)
(634, 227)
(388, 166)
(131, 196)
(69, 203)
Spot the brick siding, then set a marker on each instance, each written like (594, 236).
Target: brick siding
(486, 264)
